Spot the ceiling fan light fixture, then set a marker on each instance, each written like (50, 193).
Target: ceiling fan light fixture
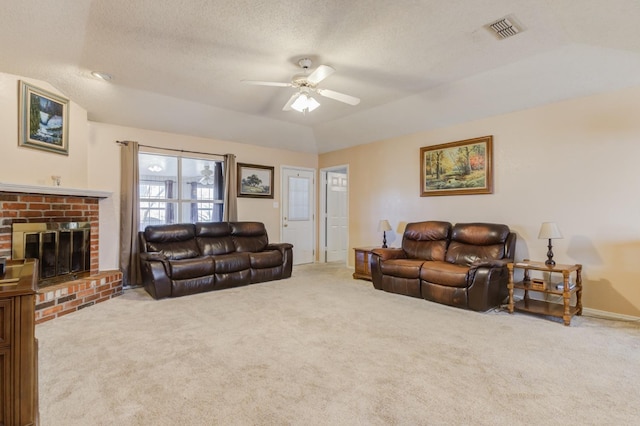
(305, 103)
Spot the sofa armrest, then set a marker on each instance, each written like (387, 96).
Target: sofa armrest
(380, 255)
(154, 268)
(389, 253)
(282, 247)
(497, 263)
(153, 255)
(487, 284)
(287, 256)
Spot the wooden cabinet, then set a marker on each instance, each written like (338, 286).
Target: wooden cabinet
(18, 346)
(547, 285)
(363, 269)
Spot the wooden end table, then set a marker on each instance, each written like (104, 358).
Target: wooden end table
(363, 269)
(565, 288)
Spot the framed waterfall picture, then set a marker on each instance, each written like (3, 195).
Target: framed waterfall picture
(43, 120)
(457, 168)
(255, 181)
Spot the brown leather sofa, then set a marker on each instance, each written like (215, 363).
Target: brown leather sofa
(182, 259)
(463, 265)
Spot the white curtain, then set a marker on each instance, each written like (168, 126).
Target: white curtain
(129, 214)
(230, 212)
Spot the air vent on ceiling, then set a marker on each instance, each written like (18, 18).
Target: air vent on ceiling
(505, 27)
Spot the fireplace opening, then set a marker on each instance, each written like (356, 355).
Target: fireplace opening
(63, 249)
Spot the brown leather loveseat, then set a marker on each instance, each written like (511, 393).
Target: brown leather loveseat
(182, 259)
(463, 265)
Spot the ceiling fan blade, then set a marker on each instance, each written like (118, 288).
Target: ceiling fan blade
(292, 99)
(347, 99)
(267, 83)
(320, 73)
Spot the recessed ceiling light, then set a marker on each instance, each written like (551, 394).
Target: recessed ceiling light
(155, 168)
(101, 75)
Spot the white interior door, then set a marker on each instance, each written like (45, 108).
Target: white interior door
(336, 226)
(298, 213)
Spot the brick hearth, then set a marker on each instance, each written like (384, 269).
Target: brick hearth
(61, 299)
(64, 298)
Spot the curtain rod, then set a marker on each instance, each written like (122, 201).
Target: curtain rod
(172, 149)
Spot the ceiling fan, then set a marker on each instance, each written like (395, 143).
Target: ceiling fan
(306, 84)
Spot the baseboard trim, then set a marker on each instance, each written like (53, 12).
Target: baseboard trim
(596, 313)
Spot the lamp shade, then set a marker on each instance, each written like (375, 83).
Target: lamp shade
(401, 227)
(549, 230)
(384, 225)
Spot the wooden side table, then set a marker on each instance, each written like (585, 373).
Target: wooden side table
(18, 344)
(363, 269)
(564, 288)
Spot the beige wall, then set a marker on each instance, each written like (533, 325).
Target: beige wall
(94, 163)
(574, 163)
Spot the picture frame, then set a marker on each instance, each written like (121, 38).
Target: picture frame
(457, 168)
(255, 181)
(43, 120)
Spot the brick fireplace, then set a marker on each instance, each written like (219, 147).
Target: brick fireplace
(26, 204)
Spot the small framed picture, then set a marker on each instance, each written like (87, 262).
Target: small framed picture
(43, 120)
(255, 181)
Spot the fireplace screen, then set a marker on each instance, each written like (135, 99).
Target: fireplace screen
(62, 248)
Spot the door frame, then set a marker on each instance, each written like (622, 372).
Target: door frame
(322, 211)
(312, 198)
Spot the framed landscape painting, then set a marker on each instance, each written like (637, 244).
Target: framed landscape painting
(457, 168)
(255, 181)
(44, 120)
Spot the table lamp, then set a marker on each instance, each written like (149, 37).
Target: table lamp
(384, 226)
(549, 231)
(402, 225)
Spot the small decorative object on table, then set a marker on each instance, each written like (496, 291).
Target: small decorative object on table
(538, 284)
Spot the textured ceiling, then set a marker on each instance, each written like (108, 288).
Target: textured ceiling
(177, 65)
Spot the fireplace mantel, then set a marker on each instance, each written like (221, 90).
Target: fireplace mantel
(53, 190)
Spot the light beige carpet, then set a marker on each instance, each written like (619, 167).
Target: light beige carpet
(321, 348)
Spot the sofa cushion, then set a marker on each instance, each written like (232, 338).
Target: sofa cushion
(169, 233)
(265, 259)
(472, 242)
(402, 268)
(214, 238)
(174, 241)
(192, 286)
(444, 273)
(177, 250)
(191, 268)
(426, 240)
(232, 262)
(249, 236)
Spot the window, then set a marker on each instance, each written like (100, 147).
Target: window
(177, 189)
